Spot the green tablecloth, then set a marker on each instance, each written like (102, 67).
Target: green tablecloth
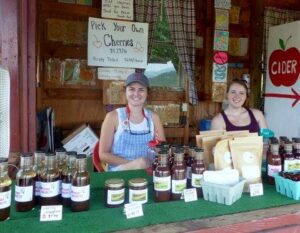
(102, 219)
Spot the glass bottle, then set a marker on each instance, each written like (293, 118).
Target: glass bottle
(162, 178)
(288, 163)
(296, 152)
(50, 182)
(38, 167)
(67, 177)
(61, 155)
(25, 184)
(274, 163)
(80, 189)
(5, 190)
(198, 168)
(178, 174)
(189, 160)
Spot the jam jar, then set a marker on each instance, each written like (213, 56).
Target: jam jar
(114, 193)
(5, 190)
(138, 190)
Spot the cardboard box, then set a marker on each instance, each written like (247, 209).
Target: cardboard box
(82, 140)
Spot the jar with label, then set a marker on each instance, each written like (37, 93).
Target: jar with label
(5, 190)
(80, 189)
(197, 171)
(67, 177)
(138, 190)
(289, 160)
(274, 164)
(114, 193)
(25, 184)
(296, 154)
(189, 160)
(178, 174)
(38, 167)
(50, 182)
(162, 178)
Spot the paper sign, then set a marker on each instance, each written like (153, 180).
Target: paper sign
(220, 72)
(51, 213)
(221, 40)
(222, 18)
(190, 195)
(256, 189)
(113, 43)
(117, 9)
(133, 210)
(223, 4)
(114, 73)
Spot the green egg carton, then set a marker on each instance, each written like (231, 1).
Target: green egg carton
(223, 194)
(287, 187)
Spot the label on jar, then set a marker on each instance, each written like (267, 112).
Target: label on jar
(178, 186)
(115, 197)
(37, 191)
(80, 193)
(138, 196)
(162, 183)
(23, 194)
(49, 189)
(272, 169)
(290, 165)
(5, 199)
(196, 180)
(66, 190)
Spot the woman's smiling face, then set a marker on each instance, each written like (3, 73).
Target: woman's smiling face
(136, 94)
(236, 95)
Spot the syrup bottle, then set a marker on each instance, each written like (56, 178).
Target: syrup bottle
(50, 182)
(38, 167)
(189, 160)
(162, 178)
(288, 163)
(178, 175)
(80, 189)
(274, 163)
(25, 184)
(67, 176)
(198, 168)
(5, 190)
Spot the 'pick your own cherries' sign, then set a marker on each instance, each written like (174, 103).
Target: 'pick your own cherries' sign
(284, 65)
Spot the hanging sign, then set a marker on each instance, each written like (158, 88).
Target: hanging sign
(116, 43)
(117, 9)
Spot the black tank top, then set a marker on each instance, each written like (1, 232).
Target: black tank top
(253, 127)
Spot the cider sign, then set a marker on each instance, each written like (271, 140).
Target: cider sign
(282, 94)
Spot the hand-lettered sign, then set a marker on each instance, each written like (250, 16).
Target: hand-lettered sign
(117, 9)
(116, 43)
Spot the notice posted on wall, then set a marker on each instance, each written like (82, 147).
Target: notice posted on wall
(113, 43)
(117, 9)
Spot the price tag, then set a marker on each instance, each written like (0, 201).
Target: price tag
(51, 213)
(190, 195)
(256, 189)
(133, 210)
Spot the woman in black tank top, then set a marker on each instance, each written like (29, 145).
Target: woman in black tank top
(236, 116)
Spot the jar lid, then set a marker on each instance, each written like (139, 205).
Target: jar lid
(28, 154)
(114, 183)
(137, 182)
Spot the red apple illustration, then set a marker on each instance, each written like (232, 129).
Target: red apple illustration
(284, 65)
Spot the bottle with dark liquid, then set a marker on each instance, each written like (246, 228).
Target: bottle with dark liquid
(49, 194)
(289, 160)
(198, 168)
(80, 189)
(61, 155)
(189, 160)
(38, 167)
(274, 163)
(162, 178)
(5, 190)
(178, 175)
(296, 152)
(25, 184)
(67, 176)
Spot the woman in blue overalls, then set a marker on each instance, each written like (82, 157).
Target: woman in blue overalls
(126, 131)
